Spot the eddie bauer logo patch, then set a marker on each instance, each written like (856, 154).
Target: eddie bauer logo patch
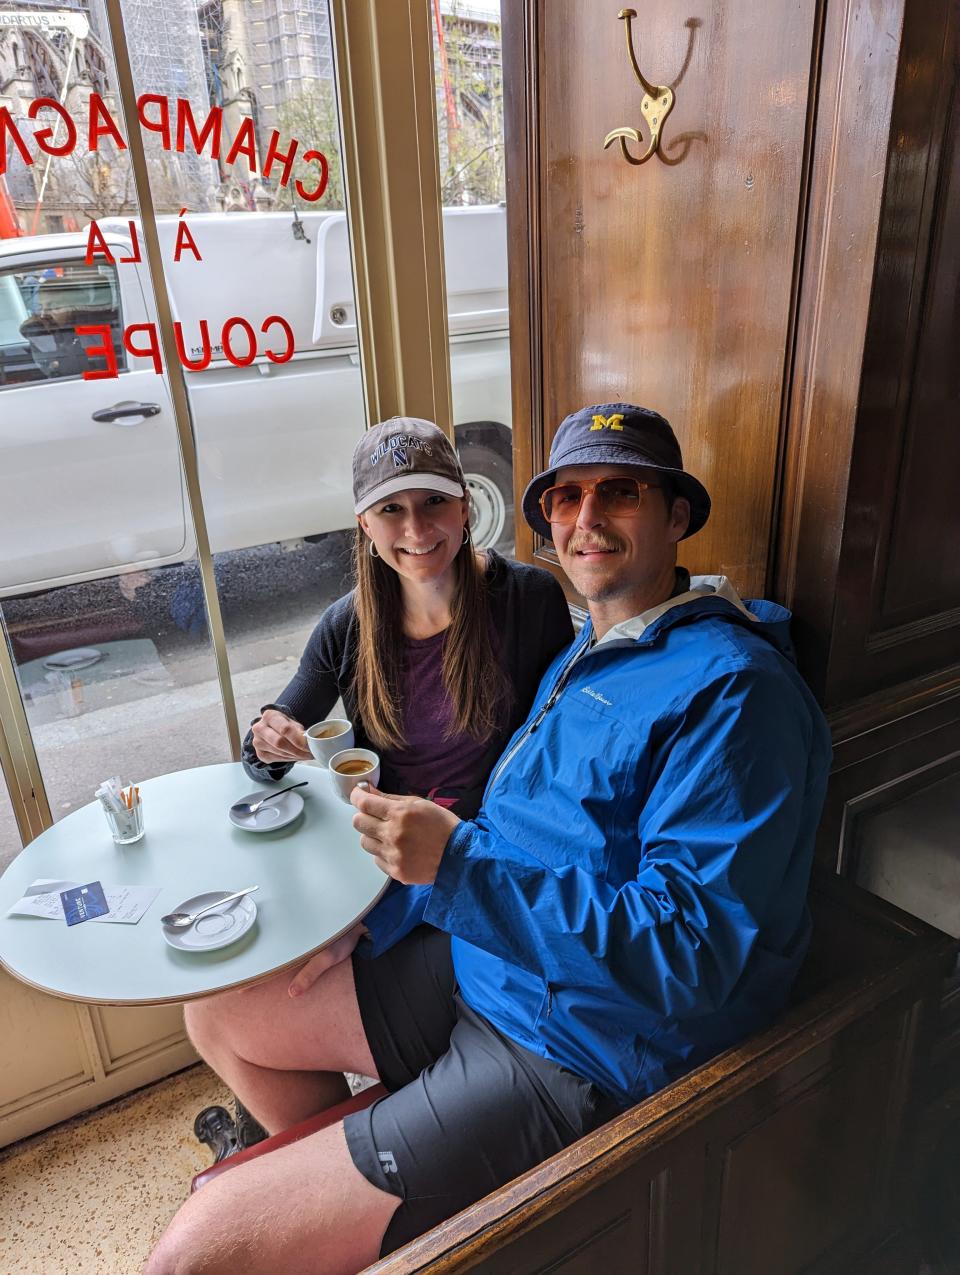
(588, 690)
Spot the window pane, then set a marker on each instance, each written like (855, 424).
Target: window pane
(467, 59)
(100, 599)
(262, 290)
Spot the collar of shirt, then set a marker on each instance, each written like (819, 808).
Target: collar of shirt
(685, 590)
(633, 627)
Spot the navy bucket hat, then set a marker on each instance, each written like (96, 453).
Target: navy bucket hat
(617, 434)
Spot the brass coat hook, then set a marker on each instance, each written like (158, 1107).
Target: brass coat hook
(656, 105)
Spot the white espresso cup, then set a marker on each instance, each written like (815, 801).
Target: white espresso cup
(353, 766)
(329, 737)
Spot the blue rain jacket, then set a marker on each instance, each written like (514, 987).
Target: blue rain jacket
(631, 898)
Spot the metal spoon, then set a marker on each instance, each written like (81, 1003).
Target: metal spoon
(180, 920)
(251, 807)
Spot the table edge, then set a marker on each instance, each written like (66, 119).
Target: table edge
(252, 981)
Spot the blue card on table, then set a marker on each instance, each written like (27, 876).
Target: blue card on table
(84, 902)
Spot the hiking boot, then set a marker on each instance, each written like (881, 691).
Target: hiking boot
(215, 1127)
(249, 1130)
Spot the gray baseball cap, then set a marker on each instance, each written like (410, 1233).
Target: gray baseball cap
(402, 453)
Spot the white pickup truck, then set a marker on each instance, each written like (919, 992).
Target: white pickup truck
(90, 476)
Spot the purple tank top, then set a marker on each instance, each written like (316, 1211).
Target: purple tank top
(433, 764)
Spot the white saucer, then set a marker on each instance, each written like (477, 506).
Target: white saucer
(216, 929)
(68, 661)
(275, 814)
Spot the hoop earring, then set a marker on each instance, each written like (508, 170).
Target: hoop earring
(466, 535)
(372, 549)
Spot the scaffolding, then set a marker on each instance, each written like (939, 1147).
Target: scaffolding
(61, 50)
(167, 58)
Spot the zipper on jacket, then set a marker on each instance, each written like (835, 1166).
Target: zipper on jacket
(549, 703)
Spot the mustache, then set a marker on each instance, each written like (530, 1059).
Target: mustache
(577, 544)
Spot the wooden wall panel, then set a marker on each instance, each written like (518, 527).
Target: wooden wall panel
(61, 1059)
(899, 580)
(869, 545)
(923, 568)
(668, 284)
(857, 76)
(769, 1218)
(903, 770)
(127, 1034)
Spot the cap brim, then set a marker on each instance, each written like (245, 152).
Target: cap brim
(409, 482)
(687, 486)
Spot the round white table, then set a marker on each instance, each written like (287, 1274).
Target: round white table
(315, 882)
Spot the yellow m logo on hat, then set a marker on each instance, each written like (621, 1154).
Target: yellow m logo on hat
(608, 422)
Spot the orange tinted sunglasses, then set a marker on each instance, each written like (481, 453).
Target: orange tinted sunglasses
(619, 497)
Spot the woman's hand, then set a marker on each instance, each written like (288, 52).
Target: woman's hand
(406, 835)
(277, 737)
(308, 974)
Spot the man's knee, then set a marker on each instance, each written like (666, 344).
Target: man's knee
(189, 1245)
(211, 1020)
(162, 1261)
(276, 1213)
(171, 1256)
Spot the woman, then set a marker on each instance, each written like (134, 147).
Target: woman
(436, 653)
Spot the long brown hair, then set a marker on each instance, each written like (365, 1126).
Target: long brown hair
(473, 678)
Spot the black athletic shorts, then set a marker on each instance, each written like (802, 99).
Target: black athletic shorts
(468, 1108)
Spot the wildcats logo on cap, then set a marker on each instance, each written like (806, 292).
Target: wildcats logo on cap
(398, 444)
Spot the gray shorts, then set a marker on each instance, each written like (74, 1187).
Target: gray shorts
(468, 1109)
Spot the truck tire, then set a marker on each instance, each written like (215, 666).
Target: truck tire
(490, 486)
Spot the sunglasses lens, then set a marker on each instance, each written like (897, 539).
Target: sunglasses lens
(616, 496)
(619, 495)
(560, 504)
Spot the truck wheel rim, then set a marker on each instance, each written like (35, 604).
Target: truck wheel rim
(488, 512)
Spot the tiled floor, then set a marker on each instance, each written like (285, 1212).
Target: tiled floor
(91, 1196)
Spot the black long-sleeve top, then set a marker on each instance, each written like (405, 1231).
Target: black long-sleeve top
(530, 621)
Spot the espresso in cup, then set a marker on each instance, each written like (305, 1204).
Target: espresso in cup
(353, 766)
(356, 767)
(328, 737)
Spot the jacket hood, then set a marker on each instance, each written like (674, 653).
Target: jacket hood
(714, 596)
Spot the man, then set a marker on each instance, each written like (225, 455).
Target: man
(629, 901)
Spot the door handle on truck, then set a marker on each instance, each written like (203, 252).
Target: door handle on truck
(119, 410)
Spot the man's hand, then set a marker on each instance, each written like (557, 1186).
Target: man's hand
(277, 737)
(406, 835)
(308, 974)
